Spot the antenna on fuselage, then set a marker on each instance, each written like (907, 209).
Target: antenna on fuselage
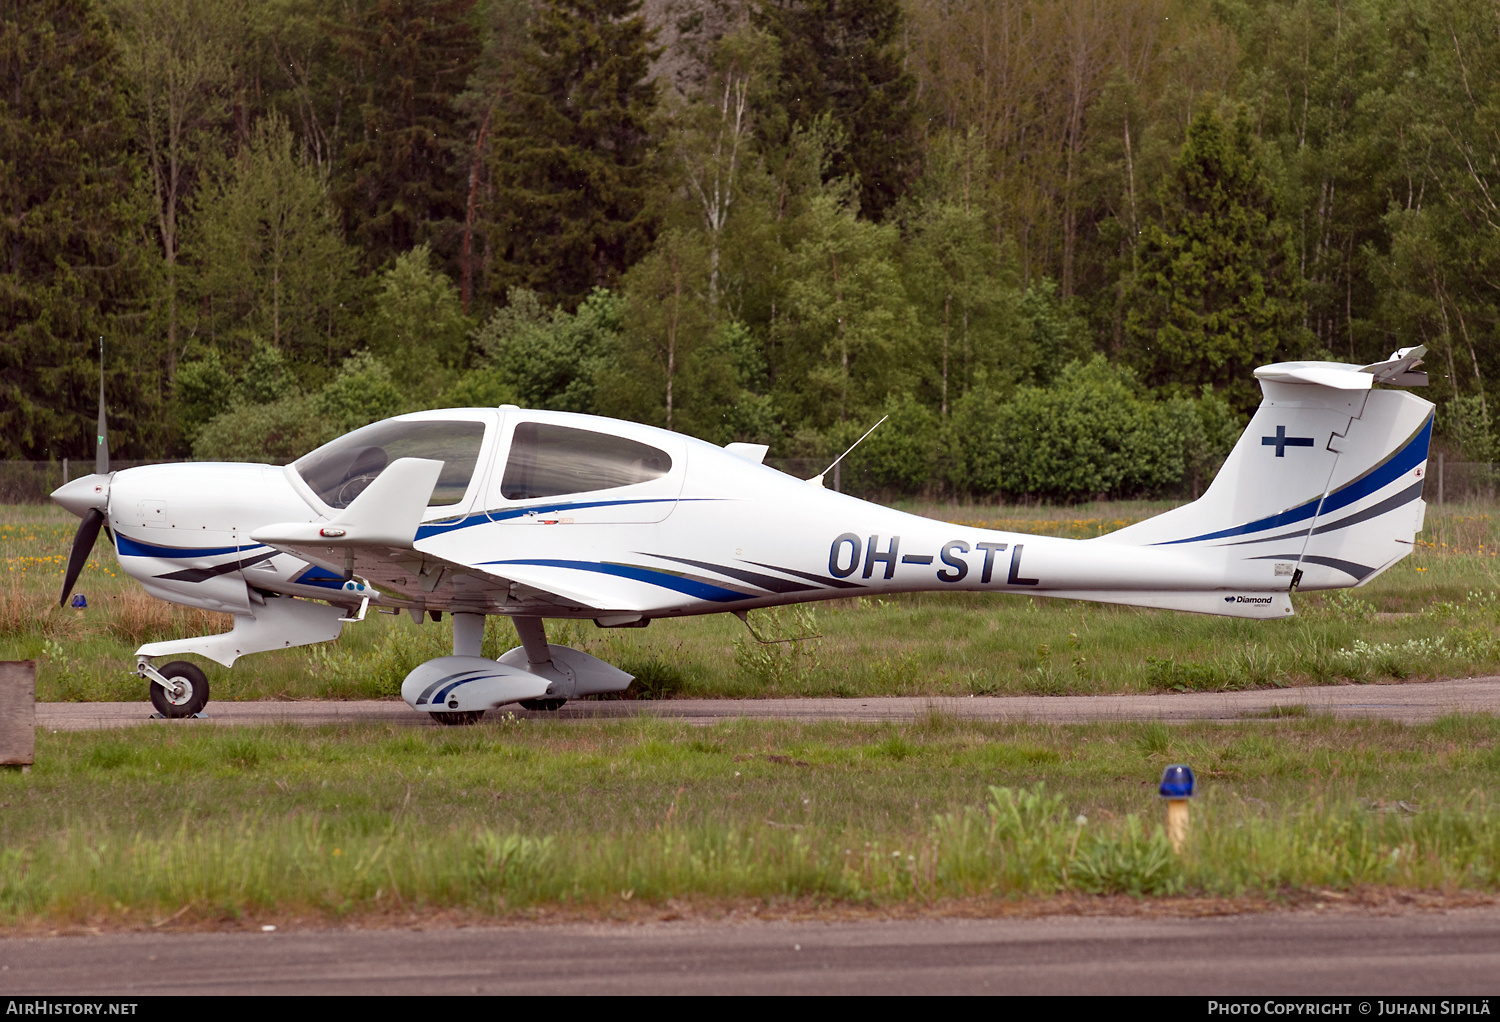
(817, 480)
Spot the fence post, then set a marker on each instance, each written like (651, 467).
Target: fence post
(1440, 478)
(65, 471)
(17, 713)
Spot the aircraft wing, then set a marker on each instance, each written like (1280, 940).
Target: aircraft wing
(374, 539)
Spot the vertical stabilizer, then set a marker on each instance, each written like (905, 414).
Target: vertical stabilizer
(1323, 489)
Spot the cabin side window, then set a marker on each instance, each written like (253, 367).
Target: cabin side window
(547, 460)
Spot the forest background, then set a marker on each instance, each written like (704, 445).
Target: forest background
(1049, 238)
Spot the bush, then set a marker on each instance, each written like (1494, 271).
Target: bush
(280, 431)
(1092, 433)
(1465, 421)
(277, 432)
(204, 389)
(900, 455)
(550, 359)
(362, 392)
(974, 457)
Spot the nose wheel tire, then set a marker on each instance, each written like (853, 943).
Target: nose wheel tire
(456, 717)
(188, 694)
(543, 704)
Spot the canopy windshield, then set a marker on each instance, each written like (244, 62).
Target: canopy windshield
(340, 470)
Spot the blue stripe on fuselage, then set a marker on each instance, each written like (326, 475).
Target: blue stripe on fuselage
(691, 587)
(1408, 457)
(128, 547)
(320, 577)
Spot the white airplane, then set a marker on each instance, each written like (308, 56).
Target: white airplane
(535, 515)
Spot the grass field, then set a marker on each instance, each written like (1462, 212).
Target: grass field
(1434, 615)
(184, 825)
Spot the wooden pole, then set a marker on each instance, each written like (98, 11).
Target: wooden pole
(17, 713)
(1177, 823)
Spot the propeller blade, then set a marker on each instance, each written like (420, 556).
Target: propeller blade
(101, 455)
(83, 545)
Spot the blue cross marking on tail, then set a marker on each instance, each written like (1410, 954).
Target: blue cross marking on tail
(1281, 441)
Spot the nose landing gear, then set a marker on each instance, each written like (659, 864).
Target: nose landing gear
(178, 689)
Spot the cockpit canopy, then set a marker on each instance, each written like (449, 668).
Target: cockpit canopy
(340, 470)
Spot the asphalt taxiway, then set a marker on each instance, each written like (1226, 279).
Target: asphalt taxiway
(1358, 954)
(1408, 703)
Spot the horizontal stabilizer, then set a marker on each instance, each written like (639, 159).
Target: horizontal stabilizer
(1398, 370)
(1224, 604)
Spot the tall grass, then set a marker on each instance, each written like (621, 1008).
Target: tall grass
(509, 816)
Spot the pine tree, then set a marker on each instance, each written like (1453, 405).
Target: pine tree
(1217, 291)
(68, 218)
(418, 327)
(270, 258)
(842, 57)
(571, 153)
(404, 182)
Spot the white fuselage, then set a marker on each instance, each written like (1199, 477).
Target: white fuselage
(716, 533)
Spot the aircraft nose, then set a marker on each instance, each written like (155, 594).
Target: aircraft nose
(83, 493)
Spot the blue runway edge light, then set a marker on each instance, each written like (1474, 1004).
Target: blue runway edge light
(79, 601)
(1177, 781)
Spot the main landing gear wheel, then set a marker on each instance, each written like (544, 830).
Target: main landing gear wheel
(189, 692)
(543, 704)
(456, 717)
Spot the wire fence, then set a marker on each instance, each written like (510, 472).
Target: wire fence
(1460, 482)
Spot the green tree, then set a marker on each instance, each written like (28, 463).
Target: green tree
(845, 321)
(177, 54)
(1465, 422)
(902, 454)
(204, 389)
(960, 282)
(419, 328)
(843, 58)
(572, 150)
(714, 138)
(70, 214)
(666, 319)
(1050, 333)
(364, 391)
(404, 182)
(270, 258)
(1217, 290)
